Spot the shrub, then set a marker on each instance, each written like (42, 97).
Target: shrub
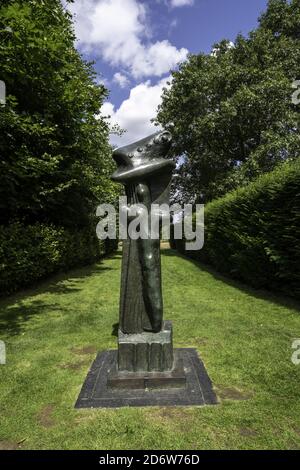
(253, 233)
(30, 253)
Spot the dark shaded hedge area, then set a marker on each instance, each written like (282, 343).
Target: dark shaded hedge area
(253, 233)
(55, 155)
(31, 253)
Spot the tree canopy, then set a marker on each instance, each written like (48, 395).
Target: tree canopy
(231, 111)
(55, 158)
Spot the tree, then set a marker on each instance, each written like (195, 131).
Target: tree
(55, 159)
(231, 112)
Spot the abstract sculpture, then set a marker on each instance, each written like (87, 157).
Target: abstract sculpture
(146, 175)
(145, 370)
(145, 341)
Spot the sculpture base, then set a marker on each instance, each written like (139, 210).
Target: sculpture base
(174, 378)
(96, 393)
(147, 351)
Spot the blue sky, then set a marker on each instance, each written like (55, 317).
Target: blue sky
(135, 43)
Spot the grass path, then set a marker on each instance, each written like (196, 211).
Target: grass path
(53, 333)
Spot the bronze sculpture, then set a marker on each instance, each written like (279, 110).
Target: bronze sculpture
(145, 370)
(146, 174)
(145, 341)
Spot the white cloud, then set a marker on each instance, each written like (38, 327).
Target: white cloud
(108, 109)
(181, 3)
(135, 113)
(119, 31)
(158, 59)
(121, 80)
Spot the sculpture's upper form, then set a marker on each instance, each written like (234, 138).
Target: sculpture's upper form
(143, 159)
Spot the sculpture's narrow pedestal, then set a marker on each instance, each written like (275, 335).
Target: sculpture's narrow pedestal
(146, 361)
(146, 352)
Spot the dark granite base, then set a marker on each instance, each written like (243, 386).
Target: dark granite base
(197, 392)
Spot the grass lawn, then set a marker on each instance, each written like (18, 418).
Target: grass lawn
(244, 337)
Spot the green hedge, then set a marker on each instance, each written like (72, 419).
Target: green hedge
(30, 253)
(253, 233)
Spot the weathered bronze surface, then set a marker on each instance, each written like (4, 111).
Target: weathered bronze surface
(146, 173)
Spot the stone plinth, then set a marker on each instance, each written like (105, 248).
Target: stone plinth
(146, 352)
(96, 393)
(172, 379)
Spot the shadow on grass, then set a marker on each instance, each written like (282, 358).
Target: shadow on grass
(115, 330)
(257, 293)
(14, 317)
(14, 313)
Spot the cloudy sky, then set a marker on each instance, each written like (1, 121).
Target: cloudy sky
(135, 43)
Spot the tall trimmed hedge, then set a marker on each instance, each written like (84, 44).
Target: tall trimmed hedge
(253, 233)
(30, 253)
(55, 156)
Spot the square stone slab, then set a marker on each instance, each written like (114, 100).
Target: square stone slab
(197, 392)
